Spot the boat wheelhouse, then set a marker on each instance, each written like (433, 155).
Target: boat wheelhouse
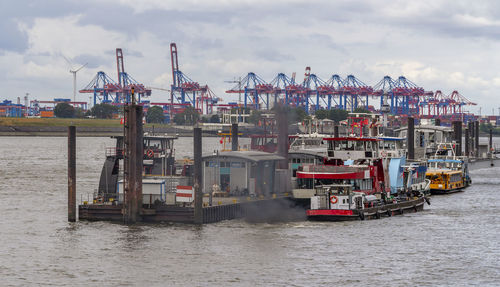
(392, 147)
(310, 142)
(428, 138)
(266, 142)
(352, 148)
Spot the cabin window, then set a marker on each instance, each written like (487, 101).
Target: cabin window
(422, 140)
(343, 145)
(432, 137)
(359, 145)
(343, 201)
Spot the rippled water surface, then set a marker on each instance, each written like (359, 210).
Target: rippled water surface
(454, 242)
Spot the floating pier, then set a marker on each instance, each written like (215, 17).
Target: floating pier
(258, 209)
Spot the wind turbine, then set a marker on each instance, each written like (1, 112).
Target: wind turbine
(74, 71)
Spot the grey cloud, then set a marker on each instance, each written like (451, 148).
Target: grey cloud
(12, 39)
(273, 55)
(92, 61)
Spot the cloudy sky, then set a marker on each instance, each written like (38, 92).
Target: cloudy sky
(439, 45)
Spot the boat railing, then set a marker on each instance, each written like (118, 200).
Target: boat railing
(332, 168)
(113, 151)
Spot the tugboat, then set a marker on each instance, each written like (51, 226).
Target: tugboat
(341, 203)
(448, 173)
(354, 169)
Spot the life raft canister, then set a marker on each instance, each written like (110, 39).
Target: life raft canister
(332, 198)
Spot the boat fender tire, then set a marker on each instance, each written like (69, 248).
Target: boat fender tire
(401, 211)
(389, 213)
(150, 153)
(333, 199)
(361, 215)
(415, 207)
(377, 215)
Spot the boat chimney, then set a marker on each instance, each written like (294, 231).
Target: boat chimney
(410, 137)
(234, 137)
(336, 131)
(466, 143)
(133, 155)
(476, 140)
(491, 143)
(198, 191)
(281, 118)
(471, 138)
(457, 131)
(71, 174)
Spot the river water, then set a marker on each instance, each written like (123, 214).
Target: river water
(454, 242)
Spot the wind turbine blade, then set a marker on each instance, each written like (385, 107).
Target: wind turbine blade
(81, 67)
(67, 60)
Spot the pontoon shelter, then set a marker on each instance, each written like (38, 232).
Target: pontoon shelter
(250, 173)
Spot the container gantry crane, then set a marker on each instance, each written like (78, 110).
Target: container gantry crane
(253, 88)
(336, 85)
(126, 82)
(279, 84)
(104, 89)
(314, 86)
(355, 92)
(186, 91)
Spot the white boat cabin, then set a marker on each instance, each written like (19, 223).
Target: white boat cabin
(352, 148)
(339, 197)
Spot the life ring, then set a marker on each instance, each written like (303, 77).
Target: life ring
(333, 197)
(383, 153)
(150, 153)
